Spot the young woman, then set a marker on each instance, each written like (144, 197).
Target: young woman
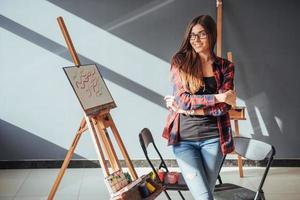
(198, 124)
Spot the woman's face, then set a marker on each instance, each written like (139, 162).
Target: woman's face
(199, 39)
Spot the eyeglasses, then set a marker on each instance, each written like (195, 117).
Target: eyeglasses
(201, 35)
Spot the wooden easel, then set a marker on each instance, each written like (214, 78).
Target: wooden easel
(97, 126)
(237, 113)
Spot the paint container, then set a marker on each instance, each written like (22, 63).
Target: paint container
(118, 186)
(150, 187)
(152, 175)
(144, 190)
(161, 175)
(128, 177)
(173, 177)
(113, 188)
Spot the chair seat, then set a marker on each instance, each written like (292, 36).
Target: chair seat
(228, 191)
(180, 185)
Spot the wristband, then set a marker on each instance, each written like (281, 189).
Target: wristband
(189, 112)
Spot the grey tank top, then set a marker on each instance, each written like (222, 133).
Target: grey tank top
(197, 127)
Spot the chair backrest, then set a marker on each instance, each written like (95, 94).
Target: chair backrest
(146, 138)
(253, 149)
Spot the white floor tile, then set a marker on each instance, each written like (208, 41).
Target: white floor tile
(11, 181)
(93, 185)
(31, 198)
(278, 181)
(6, 197)
(40, 181)
(283, 196)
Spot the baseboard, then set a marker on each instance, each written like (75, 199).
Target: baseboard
(40, 164)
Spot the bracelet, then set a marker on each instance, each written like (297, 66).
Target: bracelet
(189, 112)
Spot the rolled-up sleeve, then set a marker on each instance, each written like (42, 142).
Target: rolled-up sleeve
(184, 99)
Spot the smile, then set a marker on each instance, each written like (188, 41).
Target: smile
(197, 45)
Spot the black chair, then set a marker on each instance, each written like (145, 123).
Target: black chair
(146, 138)
(253, 150)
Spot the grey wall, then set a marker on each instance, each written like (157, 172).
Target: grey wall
(132, 42)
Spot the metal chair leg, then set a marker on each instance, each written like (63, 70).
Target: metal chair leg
(181, 195)
(166, 193)
(219, 179)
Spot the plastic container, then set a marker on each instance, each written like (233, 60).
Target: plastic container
(173, 177)
(144, 190)
(161, 175)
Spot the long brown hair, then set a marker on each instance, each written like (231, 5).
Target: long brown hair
(187, 60)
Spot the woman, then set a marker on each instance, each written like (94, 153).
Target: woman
(198, 124)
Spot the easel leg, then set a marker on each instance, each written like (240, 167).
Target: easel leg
(240, 162)
(219, 28)
(116, 164)
(106, 143)
(123, 149)
(66, 162)
(236, 127)
(98, 148)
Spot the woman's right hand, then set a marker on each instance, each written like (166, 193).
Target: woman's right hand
(171, 103)
(228, 97)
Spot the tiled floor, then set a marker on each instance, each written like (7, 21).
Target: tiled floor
(88, 184)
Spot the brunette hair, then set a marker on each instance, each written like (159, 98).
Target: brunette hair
(187, 60)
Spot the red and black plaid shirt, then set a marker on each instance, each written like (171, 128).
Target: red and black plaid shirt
(224, 73)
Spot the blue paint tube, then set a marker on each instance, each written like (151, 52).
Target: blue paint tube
(144, 190)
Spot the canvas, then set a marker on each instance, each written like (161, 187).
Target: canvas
(90, 88)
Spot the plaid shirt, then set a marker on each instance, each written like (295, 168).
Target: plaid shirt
(224, 73)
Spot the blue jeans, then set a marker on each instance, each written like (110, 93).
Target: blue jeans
(199, 162)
